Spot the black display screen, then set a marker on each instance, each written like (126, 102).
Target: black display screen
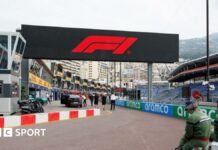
(99, 45)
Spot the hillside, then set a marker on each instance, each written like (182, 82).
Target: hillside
(196, 47)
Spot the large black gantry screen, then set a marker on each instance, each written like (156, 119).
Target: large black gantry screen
(45, 42)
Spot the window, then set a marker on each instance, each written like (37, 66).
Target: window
(16, 63)
(19, 44)
(59, 68)
(3, 57)
(13, 42)
(4, 41)
(35, 68)
(1, 88)
(18, 55)
(46, 76)
(15, 90)
(22, 48)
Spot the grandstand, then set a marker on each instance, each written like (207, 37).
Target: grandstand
(195, 70)
(193, 73)
(158, 88)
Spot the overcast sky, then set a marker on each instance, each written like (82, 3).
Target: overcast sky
(185, 17)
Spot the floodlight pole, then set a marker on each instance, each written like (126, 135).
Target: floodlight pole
(114, 76)
(120, 80)
(107, 79)
(149, 82)
(207, 48)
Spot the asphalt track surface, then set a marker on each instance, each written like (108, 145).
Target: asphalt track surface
(122, 129)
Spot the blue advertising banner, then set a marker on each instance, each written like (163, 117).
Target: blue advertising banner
(157, 108)
(176, 111)
(120, 103)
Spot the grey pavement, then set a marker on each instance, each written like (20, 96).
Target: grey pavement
(122, 129)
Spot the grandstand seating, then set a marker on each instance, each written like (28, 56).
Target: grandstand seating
(174, 95)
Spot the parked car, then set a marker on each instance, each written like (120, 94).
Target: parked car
(74, 101)
(64, 98)
(42, 100)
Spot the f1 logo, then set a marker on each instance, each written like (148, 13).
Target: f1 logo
(117, 44)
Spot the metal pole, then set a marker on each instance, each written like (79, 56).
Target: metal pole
(114, 75)
(207, 48)
(136, 92)
(107, 80)
(149, 82)
(120, 78)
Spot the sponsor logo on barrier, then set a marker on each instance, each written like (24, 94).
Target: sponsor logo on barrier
(134, 105)
(9, 132)
(210, 113)
(156, 108)
(117, 44)
(180, 112)
(121, 103)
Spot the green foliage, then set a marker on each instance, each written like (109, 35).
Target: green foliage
(23, 92)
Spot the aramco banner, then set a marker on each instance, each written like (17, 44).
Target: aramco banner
(44, 42)
(157, 108)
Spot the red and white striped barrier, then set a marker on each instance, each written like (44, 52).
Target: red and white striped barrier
(30, 119)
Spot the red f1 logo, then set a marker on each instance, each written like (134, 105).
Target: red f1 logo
(117, 44)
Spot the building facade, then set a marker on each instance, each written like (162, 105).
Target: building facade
(70, 66)
(93, 70)
(37, 78)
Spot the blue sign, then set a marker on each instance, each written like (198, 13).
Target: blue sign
(157, 108)
(36, 86)
(56, 90)
(120, 103)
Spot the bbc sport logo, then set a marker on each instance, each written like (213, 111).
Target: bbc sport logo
(10, 132)
(6, 132)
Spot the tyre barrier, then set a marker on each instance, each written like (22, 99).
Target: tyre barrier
(31, 119)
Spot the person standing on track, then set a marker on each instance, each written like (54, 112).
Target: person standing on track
(48, 98)
(197, 131)
(104, 97)
(84, 100)
(91, 97)
(113, 99)
(96, 100)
